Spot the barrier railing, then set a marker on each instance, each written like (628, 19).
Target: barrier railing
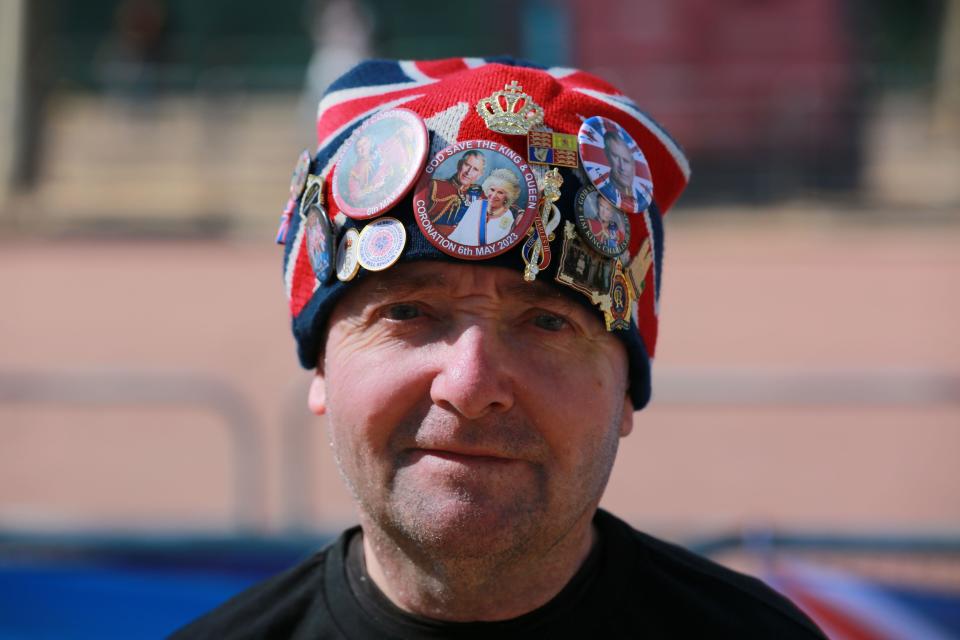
(133, 388)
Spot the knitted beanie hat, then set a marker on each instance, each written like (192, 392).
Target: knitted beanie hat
(550, 172)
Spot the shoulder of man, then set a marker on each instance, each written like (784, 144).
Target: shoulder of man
(273, 608)
(690, 593)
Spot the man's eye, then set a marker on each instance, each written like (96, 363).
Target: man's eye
(549, 322)
(402, 311)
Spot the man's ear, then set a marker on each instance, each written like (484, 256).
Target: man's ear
(317, 398)
(626, 420)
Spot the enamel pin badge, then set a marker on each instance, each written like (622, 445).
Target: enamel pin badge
(379, 163)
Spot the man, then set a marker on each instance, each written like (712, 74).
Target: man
(621, 187)
(475, 417)
(450, 198)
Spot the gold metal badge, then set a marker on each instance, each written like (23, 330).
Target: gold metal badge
(510, 111)
(536, 250)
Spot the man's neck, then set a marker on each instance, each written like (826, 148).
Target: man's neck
(474, 589)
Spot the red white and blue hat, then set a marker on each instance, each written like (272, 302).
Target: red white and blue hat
(521, 121)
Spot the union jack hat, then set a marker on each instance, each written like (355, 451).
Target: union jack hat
(454, 99)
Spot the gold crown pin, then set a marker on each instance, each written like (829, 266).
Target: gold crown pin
(510, 111)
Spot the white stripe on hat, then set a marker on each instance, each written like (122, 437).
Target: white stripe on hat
(349, 123)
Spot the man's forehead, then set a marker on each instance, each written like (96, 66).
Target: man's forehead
(459, 280)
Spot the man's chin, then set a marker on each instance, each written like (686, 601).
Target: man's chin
(466, 526)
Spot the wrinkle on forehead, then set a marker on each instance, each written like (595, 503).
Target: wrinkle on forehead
(464, 281)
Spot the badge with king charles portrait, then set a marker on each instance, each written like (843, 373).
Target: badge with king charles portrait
(615, 164)
(379, 163)
(476, 199)
(602, 225)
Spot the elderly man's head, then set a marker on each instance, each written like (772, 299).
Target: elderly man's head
(490, 411)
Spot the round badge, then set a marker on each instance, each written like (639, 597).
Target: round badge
(347, 263)
(379, 163)
(615, 164)
(299, 178)
(380, 244)
(476, 199)
(602, 225)
(319, 241)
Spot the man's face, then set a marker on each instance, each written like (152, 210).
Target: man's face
(471, 413)
(622, 166)
(470, 170)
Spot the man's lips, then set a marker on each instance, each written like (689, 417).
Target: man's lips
(462, 456)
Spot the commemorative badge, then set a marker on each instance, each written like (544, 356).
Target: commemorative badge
(347, 262)
(548, 147)
(476, 199)
(617, 311)
(381, 243)
(615, 164)
(510, 111)
(297, 182)
(640, 267)
(319, 235)
(582, 268)
(536, 250)
(602, 225)
(379, 163)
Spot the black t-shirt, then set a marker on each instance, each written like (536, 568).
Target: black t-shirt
(631, 586)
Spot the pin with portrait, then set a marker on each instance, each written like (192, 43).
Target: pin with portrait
(615, 164)
(582, 268)
(381, 244)
(347, 262)
(476, 199)
(298, 181)
(602, 225)
(379, 163)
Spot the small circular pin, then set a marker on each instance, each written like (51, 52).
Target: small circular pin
(476, 199)
(319, 237)
(381, 243)
(299, 178)
(603, 226)
(379, 163)
(347, 262)
(615, 164)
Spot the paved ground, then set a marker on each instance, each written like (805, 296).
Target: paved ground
(752, 299)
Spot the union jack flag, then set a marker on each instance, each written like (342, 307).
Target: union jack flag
(445, 94)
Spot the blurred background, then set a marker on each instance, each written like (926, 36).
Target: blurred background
(156, 454)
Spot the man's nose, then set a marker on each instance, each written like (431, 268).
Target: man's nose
(474, 376)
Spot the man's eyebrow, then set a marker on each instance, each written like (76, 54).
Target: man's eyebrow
(535, 293)
(400, 285)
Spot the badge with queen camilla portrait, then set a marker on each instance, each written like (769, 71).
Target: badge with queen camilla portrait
(476, 199)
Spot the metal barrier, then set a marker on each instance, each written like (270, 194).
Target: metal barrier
(164, 389)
